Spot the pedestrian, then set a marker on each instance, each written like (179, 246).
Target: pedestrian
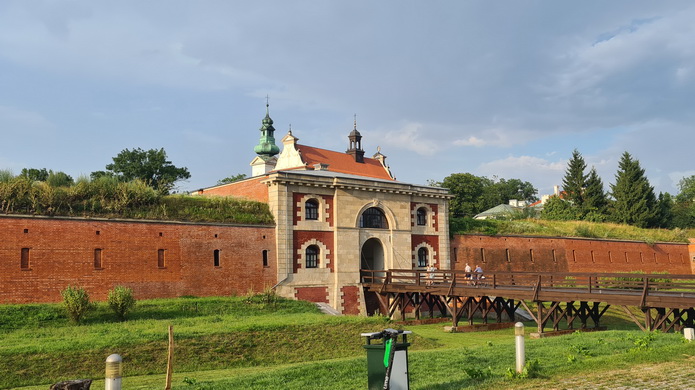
(467, 269)
(431, 269)
(478, 274)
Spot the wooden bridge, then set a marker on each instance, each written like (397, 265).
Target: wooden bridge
(666, 302)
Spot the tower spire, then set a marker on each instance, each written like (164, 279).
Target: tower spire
(355, 148)
(266, 147)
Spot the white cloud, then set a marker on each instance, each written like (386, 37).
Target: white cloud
(411, 136)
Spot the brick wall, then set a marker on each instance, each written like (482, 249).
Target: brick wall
(351, 299)
(251, 189)
(432, 241)
(552, 254)
(61, 253)
(312, 294)
(301, 237)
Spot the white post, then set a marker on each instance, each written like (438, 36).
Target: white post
(520, 350)
(689, 333)
(114, 369)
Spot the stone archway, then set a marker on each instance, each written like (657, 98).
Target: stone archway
(372, 255)
(372, 258)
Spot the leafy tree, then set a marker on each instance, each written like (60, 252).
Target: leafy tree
(474, 194)
(574, 182)
(683, 210)
(687, 188)
(151, 166)
(34, 174)
(59, 179)
(635, 202)
(232, 179)
(467, 190)
(594, 197)
(558, 209)
(515, 189)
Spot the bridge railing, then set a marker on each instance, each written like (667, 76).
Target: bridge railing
(588, 282)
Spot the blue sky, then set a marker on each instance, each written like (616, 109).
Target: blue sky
(506, 88)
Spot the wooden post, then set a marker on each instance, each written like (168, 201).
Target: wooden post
(170, 358)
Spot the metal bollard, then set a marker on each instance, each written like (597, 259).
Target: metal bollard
(114, 370)
(520, 348)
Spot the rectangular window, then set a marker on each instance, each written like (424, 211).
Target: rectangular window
(482, 254)
(265, 257)
(160, 258)
(24, 264)
(554, 257)
(97, 259)
(530, 253)
(216, 257)
(456, 258)
(509, 258)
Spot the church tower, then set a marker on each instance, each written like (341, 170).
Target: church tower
(266, 148)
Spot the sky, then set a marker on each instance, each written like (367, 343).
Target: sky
(504, 89)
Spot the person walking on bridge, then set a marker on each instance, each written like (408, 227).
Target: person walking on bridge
(478, 274)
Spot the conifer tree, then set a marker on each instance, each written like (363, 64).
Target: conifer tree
(595, 200)
(635, 202)
(664, 218)
(574, 182)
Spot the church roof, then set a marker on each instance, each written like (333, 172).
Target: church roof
(343, 162)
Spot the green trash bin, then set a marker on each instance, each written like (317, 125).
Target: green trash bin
(377, 359)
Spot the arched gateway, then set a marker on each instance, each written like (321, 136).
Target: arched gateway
(372, 255)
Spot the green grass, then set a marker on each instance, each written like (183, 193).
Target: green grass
(243, 343)
(540, 227)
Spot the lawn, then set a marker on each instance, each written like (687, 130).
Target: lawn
(247, 343)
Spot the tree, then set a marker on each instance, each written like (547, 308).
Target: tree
(558, 209)
(474, 194)
(683, 210)
(232, 179)
(664, 211)
(595, 199)
(59, 179)
(34, 174)
(635, 202)
(467, 190)
(151, 166)
(515, 189)
(574, 182)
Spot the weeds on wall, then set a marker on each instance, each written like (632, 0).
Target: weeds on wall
(108, 197)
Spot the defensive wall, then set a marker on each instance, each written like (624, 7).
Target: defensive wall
(40, 256)
(556, 254)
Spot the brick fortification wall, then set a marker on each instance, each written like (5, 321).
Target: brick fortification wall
(61, 252)
(251, 189)
(512, 253)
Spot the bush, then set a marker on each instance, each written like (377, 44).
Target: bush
(121, 301)
(76, 302)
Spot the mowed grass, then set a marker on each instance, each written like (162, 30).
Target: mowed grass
(237, 343)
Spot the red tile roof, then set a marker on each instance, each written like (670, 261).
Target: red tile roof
(343, 162)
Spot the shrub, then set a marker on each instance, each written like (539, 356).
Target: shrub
(121, 301)
(76, 302)
(532, 369)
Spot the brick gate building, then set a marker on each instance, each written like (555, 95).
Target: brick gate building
(337, 212)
